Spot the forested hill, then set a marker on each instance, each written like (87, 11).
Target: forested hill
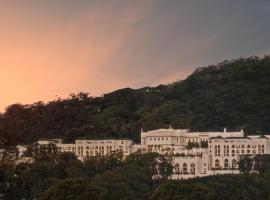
(233, 94)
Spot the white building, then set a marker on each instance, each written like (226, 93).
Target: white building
(21, 149)
(49, 141)
(225, 152)
(220, 157)
(163, 140)
(2, 151)
(86, 148)
(190, 166)
(213, 152)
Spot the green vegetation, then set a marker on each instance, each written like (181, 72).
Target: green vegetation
(245, 164)
(233, 94)
(55, 175)
(61, 176)
(250, 163)
(234, 187)
(191, 145)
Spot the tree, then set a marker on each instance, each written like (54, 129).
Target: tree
(262, 163)
(43, 153)
(98, 164)
(177, 190)
(227, 94)
(245, 164)
(156, 165)
(127, 182)
(68, 166)
(191, 145)
(68, 189)
(204, 144)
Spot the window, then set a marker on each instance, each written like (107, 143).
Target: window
(226, 150)
(177, 168)
(217, 165)
(192, 168)
(217, 150)
(226, 164)
(185, 168)
(234, 163)
(259, 149)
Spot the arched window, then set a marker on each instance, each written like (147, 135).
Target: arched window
(217, 164)
(248, 151)
(226, 163)
(233, 152)
(234, 163)
(243, 152)
(176, 168)
(192, 168)
(184, 168)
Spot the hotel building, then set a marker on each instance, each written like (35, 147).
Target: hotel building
(192, 154)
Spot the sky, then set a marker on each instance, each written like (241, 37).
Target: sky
(49, 49)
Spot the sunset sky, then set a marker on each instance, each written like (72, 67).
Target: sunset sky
(55, 47)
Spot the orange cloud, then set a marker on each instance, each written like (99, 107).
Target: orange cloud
(42, 56)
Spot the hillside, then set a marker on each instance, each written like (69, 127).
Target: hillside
(233, 94)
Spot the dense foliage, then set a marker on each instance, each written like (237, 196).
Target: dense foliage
(234, 187)
(233, 94)
(61, 176)
(56, 175)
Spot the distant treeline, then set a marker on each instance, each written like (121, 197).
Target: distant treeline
(233, 94)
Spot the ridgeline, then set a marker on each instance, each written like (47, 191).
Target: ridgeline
(233, 94)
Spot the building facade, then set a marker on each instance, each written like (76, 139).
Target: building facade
(87, 148)
(192, 154)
